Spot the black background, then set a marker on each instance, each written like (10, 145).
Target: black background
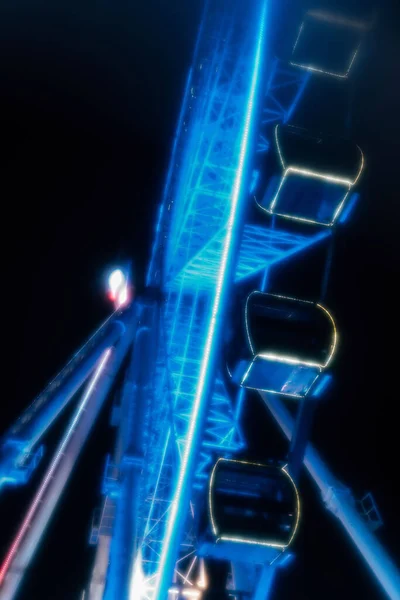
(89, 98)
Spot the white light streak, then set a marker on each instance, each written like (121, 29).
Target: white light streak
(300, 219)
(335, 334)
(274, 201)
(298, 506)
(324, 72)
(361, 165)
(187, 593)
(241, 540)
(246, 320)
(317, 175)
(278, 147)
(336, 19)
(339, 208)
(298, 37)
(49, 476)
(289, 298)
(291, 360)
(210, 505)
(174, 516)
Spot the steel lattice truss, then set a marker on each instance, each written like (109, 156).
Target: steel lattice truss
(201, 198)
(192, 229)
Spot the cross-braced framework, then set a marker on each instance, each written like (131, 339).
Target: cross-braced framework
(216, 128)
(284, 90)
(191, 235)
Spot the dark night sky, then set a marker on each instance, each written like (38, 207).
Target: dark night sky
(89, 97)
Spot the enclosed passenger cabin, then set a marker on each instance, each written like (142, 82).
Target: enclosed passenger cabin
(328, 49)
(312, 176)
(253, 503)
(285, 346)
(328, 43)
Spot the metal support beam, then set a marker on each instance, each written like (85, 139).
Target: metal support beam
(130, 454)
(56, 478)
(265, 583)
(340, 502)
(20, 439)
(328, 268)
(302, 431)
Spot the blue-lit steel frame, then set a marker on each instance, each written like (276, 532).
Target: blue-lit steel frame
(19, 451)
(129, 454)
(230, 194)
(206, 173)
(206, 198)
(155, 271)
(284, 90)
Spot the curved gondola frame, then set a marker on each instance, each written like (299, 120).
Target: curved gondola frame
(266, 543)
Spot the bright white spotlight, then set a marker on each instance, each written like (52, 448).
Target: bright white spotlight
(119, 288)
(115, 281)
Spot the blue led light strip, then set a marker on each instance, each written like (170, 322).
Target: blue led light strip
(171, 539)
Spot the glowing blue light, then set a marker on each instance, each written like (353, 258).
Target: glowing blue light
(190, 445)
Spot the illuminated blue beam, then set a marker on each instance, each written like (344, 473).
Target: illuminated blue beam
(20, 439)
(284, 90)
(208, 164)
(261, 247)
(183, 487)
(222, 433)
(129, 455)
(45, 501)
(264, 247)
(215, 125)
(155, 273)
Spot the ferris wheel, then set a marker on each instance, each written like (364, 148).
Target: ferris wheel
(252, 185)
